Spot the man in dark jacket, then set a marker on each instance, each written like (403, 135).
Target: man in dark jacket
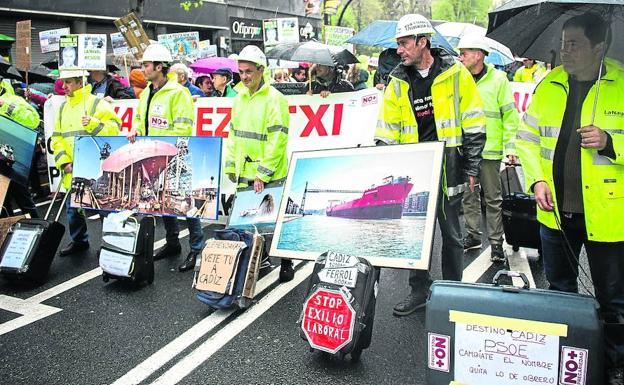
(328, 80)
(106, 86)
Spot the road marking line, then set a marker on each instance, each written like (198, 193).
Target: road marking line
(36, 205)
(30, 312)
(202, 353)
(33, 310)
(518, 262)
(186, 339)
(480, 265)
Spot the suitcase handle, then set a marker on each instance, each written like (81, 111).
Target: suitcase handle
(510, 274)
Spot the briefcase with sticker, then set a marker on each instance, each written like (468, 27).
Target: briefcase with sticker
(339, 310)
(481, 334)
(127, 247)
(30, 245)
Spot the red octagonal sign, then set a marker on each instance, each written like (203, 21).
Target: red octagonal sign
(328, 320)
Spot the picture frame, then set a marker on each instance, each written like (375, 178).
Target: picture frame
(379, 203)
(253, 211)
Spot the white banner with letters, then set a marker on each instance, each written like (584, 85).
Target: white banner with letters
(338, 121)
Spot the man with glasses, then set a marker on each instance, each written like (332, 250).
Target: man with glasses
(572, 149)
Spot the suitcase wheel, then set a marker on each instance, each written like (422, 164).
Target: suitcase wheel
(355, 355)
(105, 277)
(515, 248)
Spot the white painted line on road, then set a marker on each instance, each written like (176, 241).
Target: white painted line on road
(178, 345)
(475, 270)
(518, 262)
(33, 310)
(184, 367)
(36, 205)
(30, 312)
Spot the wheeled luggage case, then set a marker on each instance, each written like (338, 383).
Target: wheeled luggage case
(354, 279)
(240, 286)
(492, 334)
(30, 245)
(127, 250)
(519, 214)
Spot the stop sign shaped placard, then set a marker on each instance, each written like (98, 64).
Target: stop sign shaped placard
(328, 320)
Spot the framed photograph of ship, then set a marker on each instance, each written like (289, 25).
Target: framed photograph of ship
(167, 175)
(17, 146)
(373, 202)
(257, 211)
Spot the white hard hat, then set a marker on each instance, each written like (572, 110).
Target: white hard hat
(68, 74)
(413, 25)
(252, 53)
(157, 52)
(474, 42)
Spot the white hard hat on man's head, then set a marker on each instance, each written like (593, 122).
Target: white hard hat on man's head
(69, 74)
(157, 52)
(474, 42)
(253, 54)
(413, 25)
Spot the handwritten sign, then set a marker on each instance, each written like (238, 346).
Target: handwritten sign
(490, 355)
(132, 30)
(218, 264)
(23, 45)
(21, 243)
(114, 263)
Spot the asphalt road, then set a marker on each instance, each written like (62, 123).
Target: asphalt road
(76, 329)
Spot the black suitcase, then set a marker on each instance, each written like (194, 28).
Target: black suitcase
(362, 299)
(519, 214)
(128, 254)
(30, 245)
(493, 334)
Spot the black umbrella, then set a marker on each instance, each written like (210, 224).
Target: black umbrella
(532, 28)
(7, 71)
(38, 74)
(52, 63)
(313, 52)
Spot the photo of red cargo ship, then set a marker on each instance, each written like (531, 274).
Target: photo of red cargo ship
(379, 202)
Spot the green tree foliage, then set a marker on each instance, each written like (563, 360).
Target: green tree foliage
(465, 11)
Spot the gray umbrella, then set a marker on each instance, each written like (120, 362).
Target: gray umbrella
(8, 71)
(532, 28)
(313, 52)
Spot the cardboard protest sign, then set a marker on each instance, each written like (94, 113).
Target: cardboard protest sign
(181, 45)
(5, 225)
(49, 40)
(132, 30)
(120, 47)
(4, 186)
(23, 45)
(218, 265)
(280, 31)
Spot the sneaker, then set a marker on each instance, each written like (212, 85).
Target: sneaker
(615, 376)
(265, 263)
(498, 255)
(471, 243)
(287, 272)
(411, 303)
(168, 250)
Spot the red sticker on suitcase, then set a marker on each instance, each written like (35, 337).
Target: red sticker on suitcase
(439, 352)
(573, 369)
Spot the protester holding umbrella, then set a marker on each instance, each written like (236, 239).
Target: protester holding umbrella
(571, 144)
(502, 125)
(258, 132)
(166, 109)
(431, 97)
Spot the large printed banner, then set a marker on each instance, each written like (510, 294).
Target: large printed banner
(339, 121)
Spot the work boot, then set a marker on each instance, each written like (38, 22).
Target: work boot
(471, 242)
(189, 262)
(497, 255)
(411, 303)
(73, 248)
(287, 272)
(615, 376)
(169, 250)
